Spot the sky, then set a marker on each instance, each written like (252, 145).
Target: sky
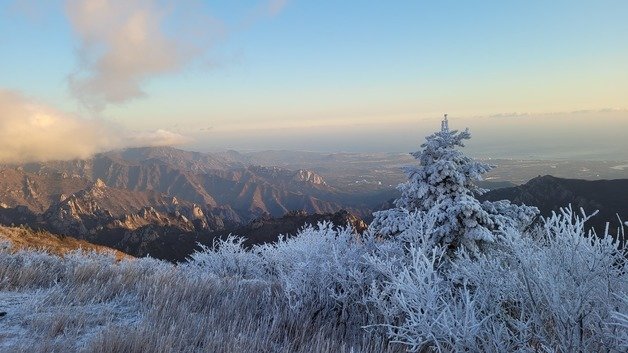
(538, 79)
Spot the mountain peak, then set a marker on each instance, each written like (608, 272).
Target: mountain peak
(99, 184)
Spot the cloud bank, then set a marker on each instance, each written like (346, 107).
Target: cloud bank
(30, 132)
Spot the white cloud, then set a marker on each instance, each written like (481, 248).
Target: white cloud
(30, 131)
(159, 137)
(123, 44)
(126, 43)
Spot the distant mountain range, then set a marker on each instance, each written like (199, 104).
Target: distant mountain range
(138, 198)
(205, 179)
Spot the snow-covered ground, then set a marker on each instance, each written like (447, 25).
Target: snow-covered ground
(12, 324)
(33, 319)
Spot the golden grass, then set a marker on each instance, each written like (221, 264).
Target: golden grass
(23, 238)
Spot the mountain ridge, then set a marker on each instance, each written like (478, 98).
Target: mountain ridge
(550, 193)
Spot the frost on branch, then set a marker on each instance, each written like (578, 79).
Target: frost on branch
(442, 186)
(555, 288)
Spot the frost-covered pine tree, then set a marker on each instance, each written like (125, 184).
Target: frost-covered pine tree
(442, 189)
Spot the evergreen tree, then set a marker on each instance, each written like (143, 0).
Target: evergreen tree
(442, 187)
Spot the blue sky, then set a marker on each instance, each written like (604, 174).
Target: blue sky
(263, 72)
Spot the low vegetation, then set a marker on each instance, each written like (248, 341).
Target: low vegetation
(90, 302)
(557, 289)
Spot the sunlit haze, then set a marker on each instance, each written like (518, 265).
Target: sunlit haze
(530, 79)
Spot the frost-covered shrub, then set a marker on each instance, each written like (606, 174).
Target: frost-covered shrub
(554, 288)
(313, 266)
(321, 268)
(419, 303)
(569, 280)
(411, 295)
(558, 289)
(620, 323)
(228, 258)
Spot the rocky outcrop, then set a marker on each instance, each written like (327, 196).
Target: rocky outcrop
(308, 176)
(88, 212)
(80, 212)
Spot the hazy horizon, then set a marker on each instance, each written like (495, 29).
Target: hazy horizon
(530, 80)
(559, 136)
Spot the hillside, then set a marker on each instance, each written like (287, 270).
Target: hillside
(549, 193)
(20, 238)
